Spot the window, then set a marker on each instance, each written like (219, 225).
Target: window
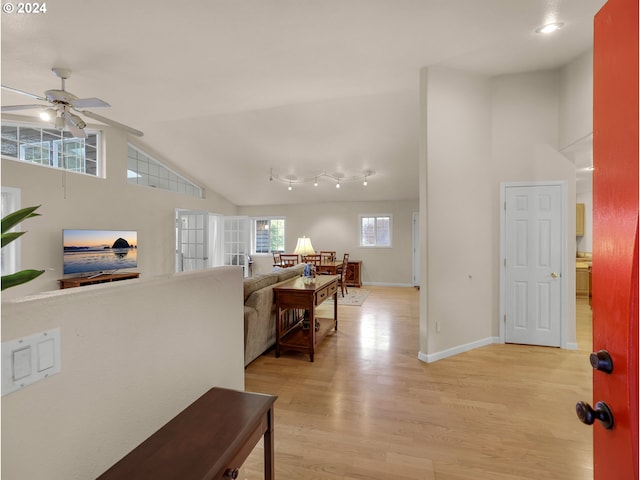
(51, 147)
(147, 171)
(269, 235)
(375, 231)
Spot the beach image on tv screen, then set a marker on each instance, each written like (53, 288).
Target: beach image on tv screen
(99, 250)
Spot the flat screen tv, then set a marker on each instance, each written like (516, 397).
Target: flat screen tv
(99, 251)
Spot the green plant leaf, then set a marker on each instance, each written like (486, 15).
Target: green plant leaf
(19, 278)
(9, 237)
(16, 217)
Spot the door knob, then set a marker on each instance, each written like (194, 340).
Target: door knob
(601, 361)
(554, 275)
(588, 415)
(231, 473)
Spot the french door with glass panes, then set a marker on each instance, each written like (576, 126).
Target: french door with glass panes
(205, 240)
(236, 242)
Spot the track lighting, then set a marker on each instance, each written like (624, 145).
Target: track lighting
(338, 178)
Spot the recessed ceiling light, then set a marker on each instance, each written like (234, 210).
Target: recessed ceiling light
(550, 27)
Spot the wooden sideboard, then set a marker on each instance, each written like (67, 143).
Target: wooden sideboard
(71, 282)
(210, 439)
(353, 276)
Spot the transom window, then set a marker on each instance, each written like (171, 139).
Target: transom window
(269, 235)
(375, 231)
(142, 169)
(51, 147)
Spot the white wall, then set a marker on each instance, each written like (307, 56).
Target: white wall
(334, 226)
(576, 128)
(576, 100)
(133, 355)
(478, 133)
(459, 262)
(80, 201)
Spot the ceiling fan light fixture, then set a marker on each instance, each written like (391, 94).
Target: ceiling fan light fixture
(76, 120)
(48, 114)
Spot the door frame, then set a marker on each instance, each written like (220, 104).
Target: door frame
(178, 258)
(415, 259)
(565, 272)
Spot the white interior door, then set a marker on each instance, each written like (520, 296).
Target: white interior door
(533, 264)
(236, 242)
(192, 240)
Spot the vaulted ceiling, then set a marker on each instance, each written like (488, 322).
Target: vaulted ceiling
(227, 90)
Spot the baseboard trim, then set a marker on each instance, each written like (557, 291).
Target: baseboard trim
(434, 357)
(383, 284)
(571, 346)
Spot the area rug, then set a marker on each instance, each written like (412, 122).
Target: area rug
(355, 297)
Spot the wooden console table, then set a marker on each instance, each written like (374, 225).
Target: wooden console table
(209, 440)
(71, 282)
(296, 294)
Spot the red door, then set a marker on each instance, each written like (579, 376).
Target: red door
(615, 239)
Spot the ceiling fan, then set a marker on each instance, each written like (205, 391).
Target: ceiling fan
(62, 103)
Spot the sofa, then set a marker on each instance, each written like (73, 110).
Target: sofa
(259, 310)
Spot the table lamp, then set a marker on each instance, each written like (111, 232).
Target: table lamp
(304, 247)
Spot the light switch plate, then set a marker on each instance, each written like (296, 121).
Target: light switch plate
(29, 359)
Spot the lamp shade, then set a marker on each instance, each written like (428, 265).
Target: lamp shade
(304, 247)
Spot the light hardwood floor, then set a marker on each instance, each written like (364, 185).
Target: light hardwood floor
(367, 408)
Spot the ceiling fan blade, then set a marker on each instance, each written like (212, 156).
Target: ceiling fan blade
(10, 108)
(22, 92)
(73, 128)
(88, 103)
(108, 121)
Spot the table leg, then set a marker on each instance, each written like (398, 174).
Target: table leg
(312, 331)
(278, 329)
(269, 463)
(335, 309)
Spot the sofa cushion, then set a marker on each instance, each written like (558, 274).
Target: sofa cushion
(256, 283)
(287, 273)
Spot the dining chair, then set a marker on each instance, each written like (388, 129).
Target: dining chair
(289, 259)
(276, 259)
(314, 259)
(329, 255)
(342, 272)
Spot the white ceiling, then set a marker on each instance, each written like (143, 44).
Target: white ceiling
(228, 89)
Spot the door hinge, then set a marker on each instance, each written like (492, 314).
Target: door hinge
(505, 262)
(505, 206)
(505, 318)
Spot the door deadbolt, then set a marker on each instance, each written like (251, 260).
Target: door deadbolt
(601, 361)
